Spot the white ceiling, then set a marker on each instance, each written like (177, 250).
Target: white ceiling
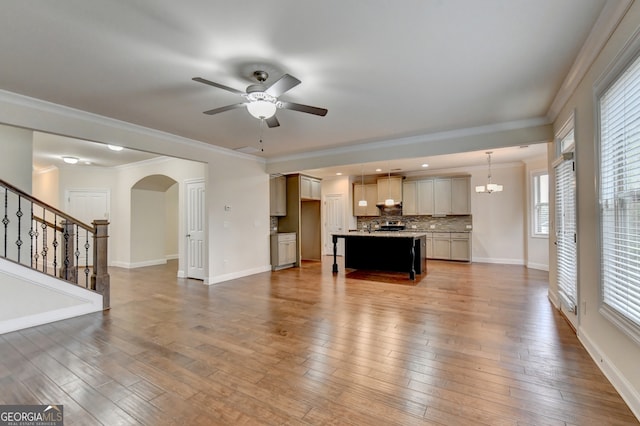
(383, 69)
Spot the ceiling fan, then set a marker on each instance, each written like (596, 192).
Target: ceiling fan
(262, 99)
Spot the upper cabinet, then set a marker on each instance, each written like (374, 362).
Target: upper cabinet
(390, 187)
(278, 196)
(369, 193)
(437, 196)
(309, 188)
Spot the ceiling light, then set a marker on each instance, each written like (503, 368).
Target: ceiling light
(261, 109)
(490, 187)
(339, 174)
(425, 165)
(115, 147)
(363, 201)
(378, 170)
(70, 160)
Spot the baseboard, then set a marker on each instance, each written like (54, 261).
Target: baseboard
(21, 323)
(134, 265)
(628, 393)
(226, 277)
(498, 260)
(182, 274)
(172, 256)
(554, 299)
(539, 266)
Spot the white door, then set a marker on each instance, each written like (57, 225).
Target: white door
(334, 222)
(566, 239)
(195, 229)
(87, 206)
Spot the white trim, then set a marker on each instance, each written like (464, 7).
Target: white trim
(75, 114)
(539, 266)
(90, 300)
(416, 140)
(498, 261)
(553, 298)
(611, 15)
(234, 275)
(134, 265)
(172, 256)
(181, 274)
(626, 390)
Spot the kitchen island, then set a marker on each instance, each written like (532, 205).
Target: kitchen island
(383, 251)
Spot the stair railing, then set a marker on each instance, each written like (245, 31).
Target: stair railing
(46, 239)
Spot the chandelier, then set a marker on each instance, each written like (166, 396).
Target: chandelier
(489, 187)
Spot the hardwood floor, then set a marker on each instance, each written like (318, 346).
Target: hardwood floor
(468, 344)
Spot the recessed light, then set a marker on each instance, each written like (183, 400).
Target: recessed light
(88, 163)
(70, 160)
(115, 147)
(425, 165)
(339, 174)
(378, 170)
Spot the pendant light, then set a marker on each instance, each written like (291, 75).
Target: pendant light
(490, 187)
(389, 201)
(362, 202)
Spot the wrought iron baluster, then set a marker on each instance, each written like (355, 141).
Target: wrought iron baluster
(45, 249)
(31, 235)
(65, 236)
(86, 258)
(55, 243)
(77, 253)
(19, 214)
(5, 220)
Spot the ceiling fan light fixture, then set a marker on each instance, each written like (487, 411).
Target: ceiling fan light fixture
(261, 109)
(70, 160)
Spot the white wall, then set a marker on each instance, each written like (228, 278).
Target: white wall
(613, 351)
(148, 211)
(537, 248)
(15, 161)
(172, 224)
(238, 238)
(46, 186)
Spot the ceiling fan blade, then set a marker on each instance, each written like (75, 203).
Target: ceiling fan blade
(219, 86)
(304, 108)
(284, 83)
(272, 121)
(223, 109)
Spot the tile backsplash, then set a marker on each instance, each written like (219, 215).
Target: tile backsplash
(421, 223)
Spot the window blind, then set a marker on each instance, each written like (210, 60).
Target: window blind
(619, 196)
(566, 233)
(541, 204)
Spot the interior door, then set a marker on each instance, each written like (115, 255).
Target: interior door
(196, 252)
(87, 206)
(334, 222)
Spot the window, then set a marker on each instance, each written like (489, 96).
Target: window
(540, 189)
(619, 198)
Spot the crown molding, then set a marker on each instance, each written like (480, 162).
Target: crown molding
(415, 140)
(16, 99)
(611, 15)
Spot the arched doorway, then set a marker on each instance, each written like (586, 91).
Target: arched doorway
(154, 221)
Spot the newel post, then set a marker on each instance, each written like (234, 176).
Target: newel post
(68, 269)
(100, 278)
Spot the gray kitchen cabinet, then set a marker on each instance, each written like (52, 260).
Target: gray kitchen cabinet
(278, 196)
(370, 195)
(425, 197)
(310, 188)
(461, 195)
(429, 242)
(442, 196)
(410, 198)
(461, 246)
(441, 245)
(390, 187)
(283, 250)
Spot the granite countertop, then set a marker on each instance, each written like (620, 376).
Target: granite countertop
(385, 234)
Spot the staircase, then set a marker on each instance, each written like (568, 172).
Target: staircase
(52, 266)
